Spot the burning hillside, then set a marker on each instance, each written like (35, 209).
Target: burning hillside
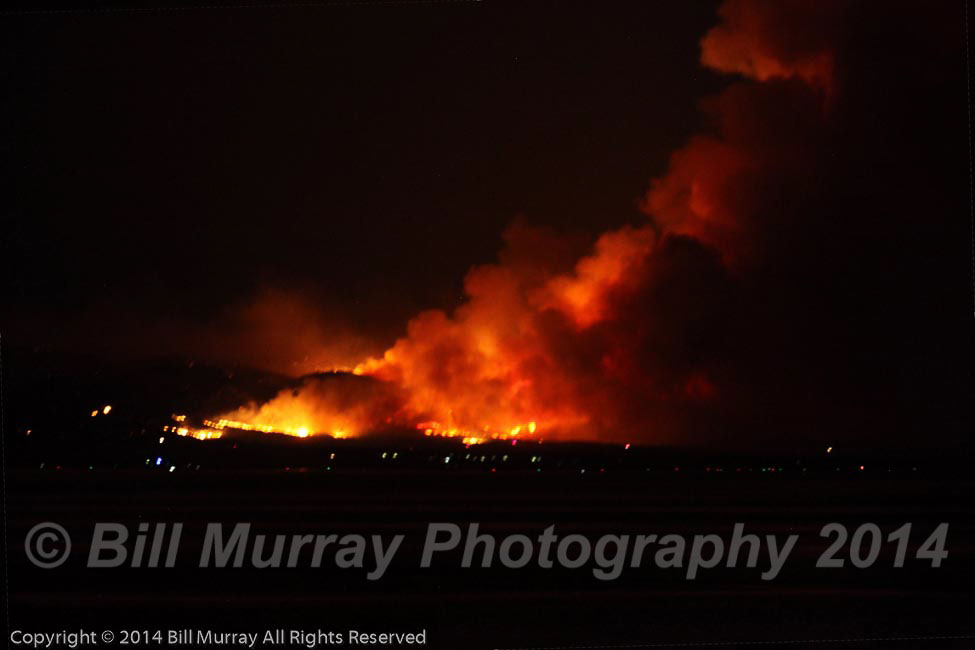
(629, 341)
(668, 327)
(337, 404)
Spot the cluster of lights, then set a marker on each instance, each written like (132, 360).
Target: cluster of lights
(105, 410)
(244, 426)
(468, 437)
(191, 432)
(300, 432)
(159, 463)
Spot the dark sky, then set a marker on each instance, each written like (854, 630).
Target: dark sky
(180, 162)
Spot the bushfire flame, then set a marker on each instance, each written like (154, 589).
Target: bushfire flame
(340, 405)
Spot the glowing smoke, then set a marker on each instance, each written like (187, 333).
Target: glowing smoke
(640, 339)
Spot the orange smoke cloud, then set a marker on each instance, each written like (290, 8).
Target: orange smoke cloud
(614, 266)
(695, 197)
(489, 369)
(632, 340)
(512, 353)
(550, 354)
(775, 39)
(338, 404)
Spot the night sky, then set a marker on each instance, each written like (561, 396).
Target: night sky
(244, 185)
(180, 163)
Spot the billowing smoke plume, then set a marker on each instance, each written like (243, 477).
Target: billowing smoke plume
(633, 342)
(775, 39)
(722, 314)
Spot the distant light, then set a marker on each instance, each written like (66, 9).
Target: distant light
(159, 460)
(829, 450)
(172, 468)
(514, 442)
(303, 432)
(94, 413)
(626, 446)
(445, 460)
(107, 409)
(861, 468)
(162, 440)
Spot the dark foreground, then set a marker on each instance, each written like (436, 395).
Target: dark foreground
(911, 607)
